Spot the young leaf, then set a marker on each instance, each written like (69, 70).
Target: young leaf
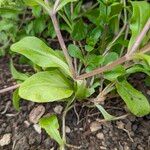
(79, 30)
(94, 36)
(47, 86)
(63, 3)
(110, 57)
(39, 53)
(17, 75)
(51, 126)
(82, 91)
(75, 52)
(36, 3)
(137, 68)
(89, 48)
(105, 114)
(135, 100)
(93, 61)
(114, 73)
(145, 57)
(16, 100)
(141, 13)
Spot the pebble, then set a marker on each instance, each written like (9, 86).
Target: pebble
(140, 147)
(148, 92)
(95, 126)
(134, 127)
(6, 139)
(37, 128)
(128, 126)
(68, 130)
(103, 148)
(58, 109)
(126, 147)
(100, 136)
(36, 114)
(27, 123)
(120, 124)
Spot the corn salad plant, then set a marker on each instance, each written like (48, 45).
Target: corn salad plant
(106, 42)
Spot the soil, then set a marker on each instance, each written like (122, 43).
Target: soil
(131, 133)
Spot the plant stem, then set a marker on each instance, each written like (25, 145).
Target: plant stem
(102, 69)
(115, 39)
(139, 38)
(62, 43)
(60, 38)
(9, 88)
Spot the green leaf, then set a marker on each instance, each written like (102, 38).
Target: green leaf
(147, 81)
(137, 68)
(39, 24)
(89, 48)
(115, 10)
(51, 126)
(135, 100)
(105, 114)
(47, 86)
(110, 57)
(141, 14)
(36, 10)
(82, 91)
(39, 53)
(144, 57)
(77, 10)
(93, 61)
(115, 73)
(93, 16)
(63, 3)
(94, 36)
(16, 100)
(74, 51)
(17, 75)
(79, 30)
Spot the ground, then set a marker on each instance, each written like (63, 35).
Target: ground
(131, 133)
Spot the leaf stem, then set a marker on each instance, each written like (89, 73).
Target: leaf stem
(52, 14)
(9, 88)
(139, 38)
(62, 43)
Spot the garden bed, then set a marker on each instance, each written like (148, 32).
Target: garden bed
(127, 134)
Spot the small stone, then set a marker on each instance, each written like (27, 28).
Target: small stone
(27, 123)
(6, 139)
(100, 136)
(134, 127)
(126, 147)
(36, 114)
(95, 126)
(120, 124)
(128, 126)
(81, 129)
(140, 147)
(103, 148)
(68, 130)
(22, 144)
(148, 92)
(37, 128)
(58, 109)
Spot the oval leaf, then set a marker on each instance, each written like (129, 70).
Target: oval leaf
(39, 53)
(51, 126)
(135, 100)
(45, 86)
(141, 14)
